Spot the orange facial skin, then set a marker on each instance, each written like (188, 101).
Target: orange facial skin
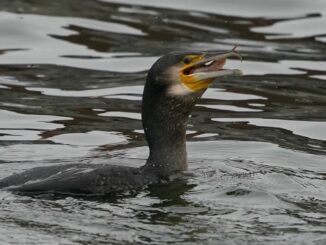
(190, 80)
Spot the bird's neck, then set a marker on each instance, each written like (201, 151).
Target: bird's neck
(164, 121)
(167, 148)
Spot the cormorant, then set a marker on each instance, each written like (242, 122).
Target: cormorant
(174, 84)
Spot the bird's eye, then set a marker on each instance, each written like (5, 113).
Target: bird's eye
(187, 60)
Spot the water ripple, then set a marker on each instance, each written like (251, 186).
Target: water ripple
(71, 79)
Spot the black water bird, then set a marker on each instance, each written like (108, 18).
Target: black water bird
(174, 84)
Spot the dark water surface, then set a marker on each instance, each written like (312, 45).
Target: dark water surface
(71, 78)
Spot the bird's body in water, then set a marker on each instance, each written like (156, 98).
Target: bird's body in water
(174, 84)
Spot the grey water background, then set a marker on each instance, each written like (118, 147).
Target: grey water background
(71, 78)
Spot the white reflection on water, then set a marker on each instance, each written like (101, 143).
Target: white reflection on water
(321, 77)
(141, 131)
(264, 68)
(220, 94)
(321, 39)
(257, 104)
(300, 28)
(124, 97)
(305, 64)
(216, 153)
(8, 80)
(17, 153)
(17, 105)
(91, 138)
(249, 8)
(230, 108)
(14, 120)
(198, 26)
(32, 34)
(131, 115)
(106, 92)
(20, 135)
(137, 11)
(311, 129)
(49, 25)
(206, 135)
(121, 64)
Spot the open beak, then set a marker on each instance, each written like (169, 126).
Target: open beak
(211, 67)
(198, 75)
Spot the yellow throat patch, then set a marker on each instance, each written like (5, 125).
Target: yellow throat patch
(190, 80)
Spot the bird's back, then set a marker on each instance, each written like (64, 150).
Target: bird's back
(79, 179)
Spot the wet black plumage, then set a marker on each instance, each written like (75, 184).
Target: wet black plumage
(164, 119)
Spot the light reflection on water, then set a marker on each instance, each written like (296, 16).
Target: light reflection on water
(251, 9)
(132, 115)
(307, 27)
(71, 79)
(137, 90)
(90, 138)
(314, 130)
(18, 121)
(229, 108)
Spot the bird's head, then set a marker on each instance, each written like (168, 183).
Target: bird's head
(174, 84)
(190, 73)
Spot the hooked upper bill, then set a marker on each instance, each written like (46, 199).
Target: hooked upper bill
(201, 70)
